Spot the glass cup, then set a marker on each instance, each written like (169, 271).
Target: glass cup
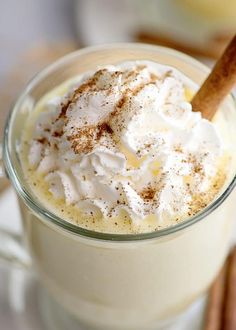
(108, 281)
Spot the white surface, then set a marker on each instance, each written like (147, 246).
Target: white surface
(10, 215)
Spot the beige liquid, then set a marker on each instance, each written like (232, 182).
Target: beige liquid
(130, 285)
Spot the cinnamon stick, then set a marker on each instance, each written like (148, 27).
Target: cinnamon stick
(215, 303)
(218, 84)
(221, 307)
(229, 313)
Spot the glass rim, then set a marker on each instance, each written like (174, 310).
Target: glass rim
(49, 216)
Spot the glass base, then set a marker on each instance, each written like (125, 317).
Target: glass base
(25, 305)
(54, 315)
(56, 318)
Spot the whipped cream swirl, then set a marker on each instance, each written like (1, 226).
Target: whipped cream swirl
(125, 139)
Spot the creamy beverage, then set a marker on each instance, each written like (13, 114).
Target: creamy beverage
(126, 195)
(119, 150)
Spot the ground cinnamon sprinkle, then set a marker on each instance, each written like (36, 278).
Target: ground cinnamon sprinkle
(104, 127)
(57, 134)
(42, 140)
(198, 168)
(148, 193)
(122, 101)
(64, 108)
(178, 148)
(85, 138)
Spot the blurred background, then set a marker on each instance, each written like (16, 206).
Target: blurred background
(34, 33)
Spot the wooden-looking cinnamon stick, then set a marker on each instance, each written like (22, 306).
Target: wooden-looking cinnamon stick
(218, 84)
(229, 312)
(215, 303)
(221, 306)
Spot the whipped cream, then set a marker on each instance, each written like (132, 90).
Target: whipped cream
(125, 139)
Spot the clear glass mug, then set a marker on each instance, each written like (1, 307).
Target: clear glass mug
(110, 281)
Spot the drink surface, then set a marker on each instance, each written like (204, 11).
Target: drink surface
(119, 150)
